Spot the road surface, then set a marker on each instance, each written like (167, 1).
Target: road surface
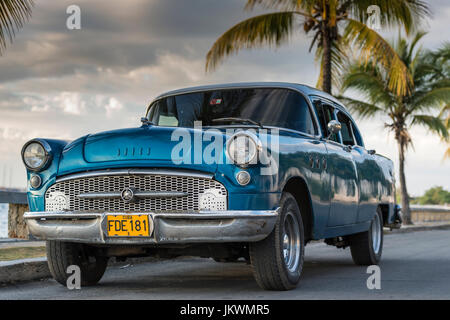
(414, 266)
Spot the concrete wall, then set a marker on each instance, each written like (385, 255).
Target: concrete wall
(16, 225)
(17, 207)
(429, 213)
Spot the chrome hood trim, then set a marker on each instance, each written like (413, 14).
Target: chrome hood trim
(126, 172)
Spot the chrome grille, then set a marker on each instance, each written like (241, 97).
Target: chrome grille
(192, 185)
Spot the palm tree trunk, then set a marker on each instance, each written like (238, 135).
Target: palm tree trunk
(326, 59)
(406, 212)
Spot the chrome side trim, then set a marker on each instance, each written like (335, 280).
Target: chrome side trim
(137, 194)
(126, 172)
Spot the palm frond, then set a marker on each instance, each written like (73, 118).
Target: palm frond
(412, 47)
(435, 124)
(447, 154)
(445, 115)
(268, 29)
(280, 4)
(373, 47)
(393, 13)
(432, 99)
(442, 54)
(429, 74)
(369, 81)
(362, 109)
(13, 15)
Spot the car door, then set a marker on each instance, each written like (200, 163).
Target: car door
(369, 173)
(344, 192)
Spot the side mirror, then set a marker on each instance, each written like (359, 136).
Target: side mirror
(145, 121)
(334, 127)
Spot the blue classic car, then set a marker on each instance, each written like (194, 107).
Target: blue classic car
(249, 172)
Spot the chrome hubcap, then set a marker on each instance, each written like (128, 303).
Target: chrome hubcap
(376, 234)
(291, 242)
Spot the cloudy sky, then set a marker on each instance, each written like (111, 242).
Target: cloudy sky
(60, 83)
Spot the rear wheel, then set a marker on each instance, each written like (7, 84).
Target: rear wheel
(278, 259)
(61, 255)
(367, 247)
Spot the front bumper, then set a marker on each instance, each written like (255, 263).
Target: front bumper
(206, 227)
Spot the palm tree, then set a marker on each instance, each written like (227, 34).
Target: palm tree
(13, 15)
(441, 59)
(445, 114)
(431, 90)
(336, 25)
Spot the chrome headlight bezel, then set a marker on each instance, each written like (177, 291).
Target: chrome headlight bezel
(256, 146)
(47, 154)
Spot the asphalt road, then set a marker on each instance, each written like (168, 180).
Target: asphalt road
(414, 266)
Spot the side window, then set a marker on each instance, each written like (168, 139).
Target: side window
(295, 113)
(304, 118)
(357, 134)
(325, 113)
(346, 131)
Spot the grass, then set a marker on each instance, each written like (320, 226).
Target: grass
(9, 254)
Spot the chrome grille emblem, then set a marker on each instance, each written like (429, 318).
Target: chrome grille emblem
(127, 195)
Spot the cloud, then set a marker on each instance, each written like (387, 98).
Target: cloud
(71, 103)
(112, 106)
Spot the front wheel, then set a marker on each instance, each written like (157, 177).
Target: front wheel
(61, 255)
(366, 247)
(278, 259)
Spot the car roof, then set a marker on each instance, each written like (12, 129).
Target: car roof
(305, 89)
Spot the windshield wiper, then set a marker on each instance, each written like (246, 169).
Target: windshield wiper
(238, 120)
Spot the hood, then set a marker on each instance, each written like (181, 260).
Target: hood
(145, 143)
(147, 146)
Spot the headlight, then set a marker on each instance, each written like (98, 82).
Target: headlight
(243, 178)
(243, 148)
(35, 181)
(34, 155)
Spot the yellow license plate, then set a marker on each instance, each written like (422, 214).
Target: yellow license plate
(128, 226)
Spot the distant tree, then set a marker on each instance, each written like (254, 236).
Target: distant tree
(13, 15)
(435, 195)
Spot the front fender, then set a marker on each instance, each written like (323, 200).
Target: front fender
(47, 175)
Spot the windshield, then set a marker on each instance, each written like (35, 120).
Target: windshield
(266, 106)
